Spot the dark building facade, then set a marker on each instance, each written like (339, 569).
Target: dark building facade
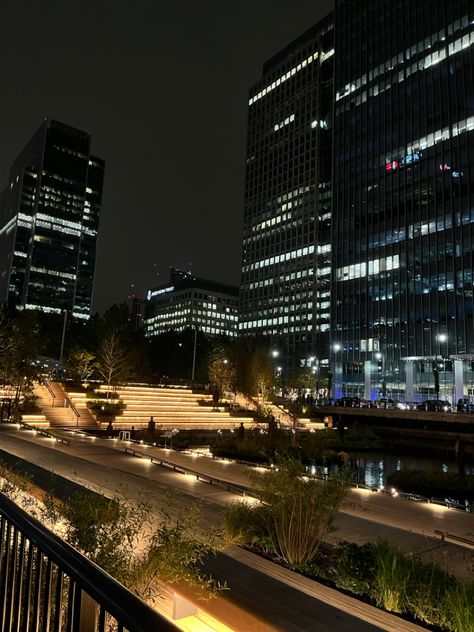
(49, 219)
(188, 301)
(285, 294)
(403, 191)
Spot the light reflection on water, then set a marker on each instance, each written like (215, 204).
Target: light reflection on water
(375, 468)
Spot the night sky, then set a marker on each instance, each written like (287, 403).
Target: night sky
(162, 88)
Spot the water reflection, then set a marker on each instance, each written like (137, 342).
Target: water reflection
(374, 468)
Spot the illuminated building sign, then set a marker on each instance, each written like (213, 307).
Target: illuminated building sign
(151, 294)
(404, 160)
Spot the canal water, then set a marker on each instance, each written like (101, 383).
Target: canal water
(374, 467)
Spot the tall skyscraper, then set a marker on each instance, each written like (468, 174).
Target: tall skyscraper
(49, 218)
(285, 293)
(403, 190)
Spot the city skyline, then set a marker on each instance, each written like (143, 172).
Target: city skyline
(174, 187)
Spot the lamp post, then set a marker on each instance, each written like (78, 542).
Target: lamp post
(441, 338)
(381, 358)
(63, 337)
(194, 353)
(336, 347)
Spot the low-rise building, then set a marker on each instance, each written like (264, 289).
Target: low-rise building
(189, 301)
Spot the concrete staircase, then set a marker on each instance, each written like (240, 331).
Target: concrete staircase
(172, 408)
(57, 409)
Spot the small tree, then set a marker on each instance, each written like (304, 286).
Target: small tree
(82, 363)
(111, 359)
(221, 374)
(262, 371)
(19, 346)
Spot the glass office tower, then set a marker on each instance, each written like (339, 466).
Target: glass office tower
(285, 294)
(49, 218)
(403, 190)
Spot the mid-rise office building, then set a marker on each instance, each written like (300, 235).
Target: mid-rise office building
(188, 301)
(49, 218)
(285, 294)
(403, 192)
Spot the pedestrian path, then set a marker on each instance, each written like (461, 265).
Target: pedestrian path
(262, 598)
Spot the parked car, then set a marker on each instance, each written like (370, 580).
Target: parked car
(407, 405)
(464, 405)
(348, 402)
(435, 405)
(386, 402)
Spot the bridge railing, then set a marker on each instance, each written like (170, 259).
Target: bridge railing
(45, 584)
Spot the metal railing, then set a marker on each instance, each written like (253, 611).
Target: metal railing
(47, 585)
(246, 491)
(48, 387)
(44, 433)
(73, 408)
(243, 490)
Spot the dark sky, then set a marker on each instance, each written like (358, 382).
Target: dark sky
(162, 88)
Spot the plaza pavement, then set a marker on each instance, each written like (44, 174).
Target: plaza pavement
(104, 467)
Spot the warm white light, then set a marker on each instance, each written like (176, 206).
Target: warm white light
(442, 337)
(336, 347)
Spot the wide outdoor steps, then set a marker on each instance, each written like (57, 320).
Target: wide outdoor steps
(175, 407)
(56, 409)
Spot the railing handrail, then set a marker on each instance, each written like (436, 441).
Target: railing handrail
(246, 491)
(48, 387)
(128, 610)
(46, 433)
(72, 407)
(209, 478)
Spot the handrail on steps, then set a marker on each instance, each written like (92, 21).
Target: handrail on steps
(47, 386)
(71, 405)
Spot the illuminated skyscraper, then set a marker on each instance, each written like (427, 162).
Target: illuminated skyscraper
(285, 294)
(49, 218)
(403, 191)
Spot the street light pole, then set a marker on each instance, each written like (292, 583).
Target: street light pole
(194, 352)
(336, 347)
(440, 338)
(63, 338)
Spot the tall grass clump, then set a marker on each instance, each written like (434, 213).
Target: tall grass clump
(392, 577)
(295, 514)
(457, 607)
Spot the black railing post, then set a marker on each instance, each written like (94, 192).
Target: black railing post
(88, 613)
(43, 580)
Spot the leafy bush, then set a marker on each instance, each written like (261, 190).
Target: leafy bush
(246, 524)
(106, 408)
(299, 510)
(122, 539)
(29, 405)
(354, 567)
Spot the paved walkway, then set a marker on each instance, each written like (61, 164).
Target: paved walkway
(278, 599)
(367, 517)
